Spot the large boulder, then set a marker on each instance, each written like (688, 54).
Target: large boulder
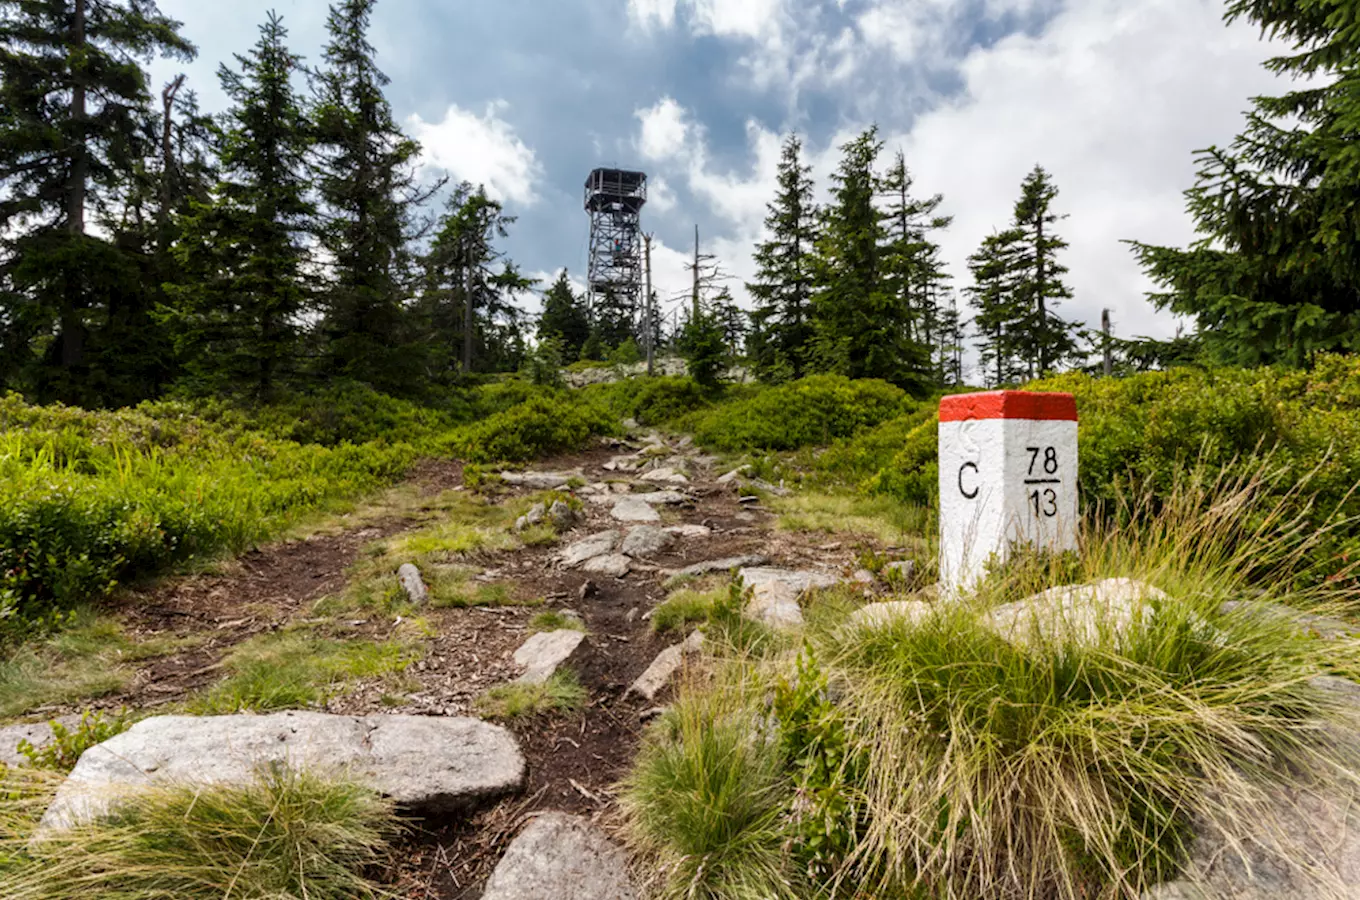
(429, 766)
(561, 857)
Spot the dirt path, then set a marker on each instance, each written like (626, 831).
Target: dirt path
(574, 761)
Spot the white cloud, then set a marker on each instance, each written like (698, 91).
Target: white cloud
(665, 130)
(660, 197)
(480, 149)
(649, 13)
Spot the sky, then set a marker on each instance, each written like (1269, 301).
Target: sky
(527, 96)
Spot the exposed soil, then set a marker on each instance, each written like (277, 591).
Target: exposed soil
(574, 762)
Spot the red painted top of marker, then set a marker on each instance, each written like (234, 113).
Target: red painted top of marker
(1043, 406)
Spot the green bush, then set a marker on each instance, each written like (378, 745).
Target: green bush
(540, 425)
(812, 411)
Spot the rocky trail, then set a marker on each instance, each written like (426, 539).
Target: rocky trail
(649, 508)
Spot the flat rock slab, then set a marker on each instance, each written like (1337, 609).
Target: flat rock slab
(11, 736)
(588, 548)
(775, 594)
(661, 498)
(800, 580)
(430, 766)
(646, 541)
(615, 565)
(664, 667)
(719, 565)
(878, 615)
(1080, 613)
(543, 481)
(633, 509)
(665, 476)
(690, 531)
(561, 857)
(544, 652)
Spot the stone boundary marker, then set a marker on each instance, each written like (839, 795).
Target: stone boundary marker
(1008, 475)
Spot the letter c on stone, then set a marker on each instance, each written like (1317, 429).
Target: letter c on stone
(963, 468)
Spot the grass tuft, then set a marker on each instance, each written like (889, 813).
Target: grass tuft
(562, 693)
(287, 836)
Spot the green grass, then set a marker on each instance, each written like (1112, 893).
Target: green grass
(935, 758)
(287, 836)
(300, 669)
(562, 694)
(686, 606)
(552, 620)
(890, 521)
(89, 658)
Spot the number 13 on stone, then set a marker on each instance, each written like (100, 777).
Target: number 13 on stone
(1008, 475)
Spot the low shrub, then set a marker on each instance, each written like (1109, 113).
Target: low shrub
(541, 425)
(812, 411)
(64, 750)
(289, 836)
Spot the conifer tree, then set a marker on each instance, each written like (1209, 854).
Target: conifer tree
(857, 322)
(1048, 339)
(912, 268)
(239, 316)
(564, 317)
(74, 98)
(998, 319)
(370, 196)
(1273, 278)
(780, 324)
(468, 306)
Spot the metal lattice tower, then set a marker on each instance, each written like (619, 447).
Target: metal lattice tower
(614, 200)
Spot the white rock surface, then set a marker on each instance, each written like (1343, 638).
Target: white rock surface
(615, 565)
(690, 531)
(544, 652)
(1078, 613)
(646, 541)
(666, 475)
(543, 481)
(776, 593)
(413, 584)
(800, 580)
(38, 734)
(661, 498)
(719, 565)
(432, 766)
(733, 475)
(597, 544)
(664, 667)
(878, 614)
(561, 857)
(632, 509)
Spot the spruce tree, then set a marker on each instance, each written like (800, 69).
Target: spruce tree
(999, 320)
(239, 317)
(912, 268)
(780, 324)
(370, 196)
(73, 129)
(472, 322)
(858, 324)
(564, 317)
(1273, 278)
(1039, 288)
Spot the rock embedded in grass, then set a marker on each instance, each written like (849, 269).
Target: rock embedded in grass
(543, 481)
(663, 668)
(776, 592)
(429, 765)
(39, 734)
(562, 857)
(733, 475)
(543, 653)
(562, 515)
(878, 615)
(1082, 613)
(414, 586)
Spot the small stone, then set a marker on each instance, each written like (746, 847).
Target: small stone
(903, 569)
(631, 424)
(645, 541)
(562, 516)
(597, 544)
(748, 501)
(665, 476)
(562, 857)
(655, 712)
(586, 590)
(863, 576)
(543, 481)
(690, 531)
(664, 667)
(630, 509)
(411, 582)
(800, 580)
(615, 565)
(768, 488)
(661, 498)
(38, 734)
(776, 604)
(543, 653)
(733, 475)
(536, 513)
(719, 565)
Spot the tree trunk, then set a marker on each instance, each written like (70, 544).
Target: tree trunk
(167, 163)
(72, 328)
(467, 313)
(1040, 289)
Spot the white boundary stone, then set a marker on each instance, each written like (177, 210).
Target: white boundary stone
(1008, 475)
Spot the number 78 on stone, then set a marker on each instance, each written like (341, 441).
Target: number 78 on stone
(1008, 476)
